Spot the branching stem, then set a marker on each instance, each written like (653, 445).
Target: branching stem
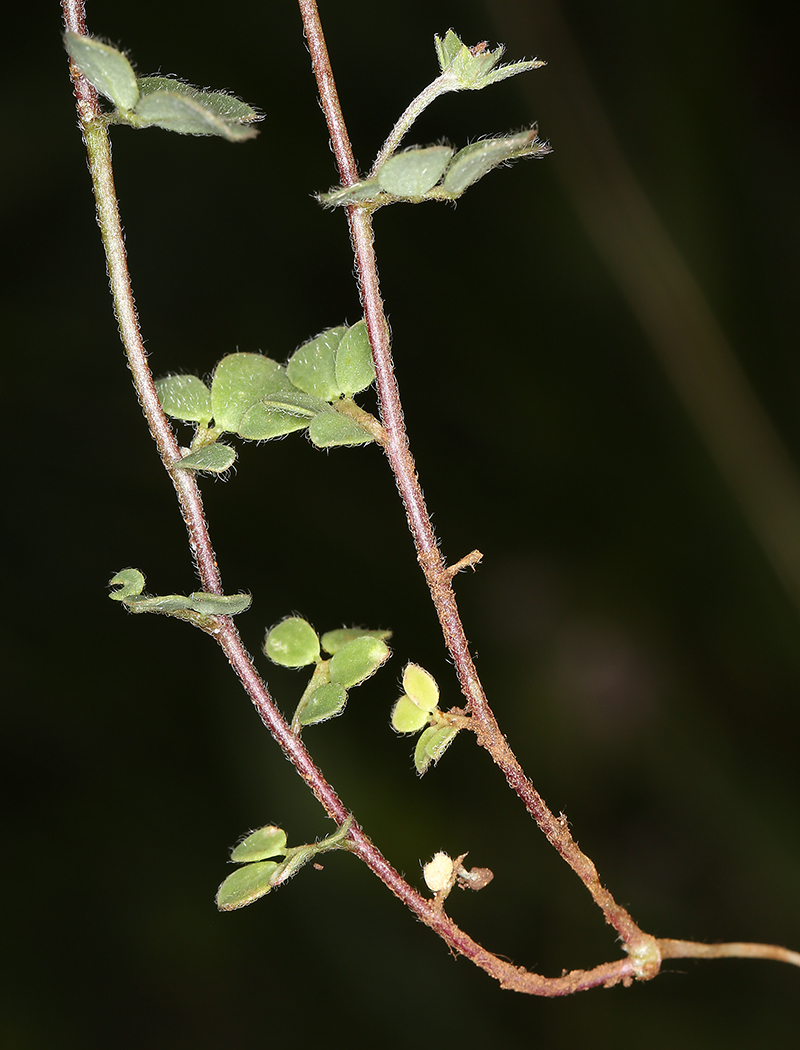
(643, 951)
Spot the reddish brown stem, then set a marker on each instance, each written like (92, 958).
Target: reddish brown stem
(396, 446)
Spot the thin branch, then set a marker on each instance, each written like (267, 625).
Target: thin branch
(734, 950)
(438, 577)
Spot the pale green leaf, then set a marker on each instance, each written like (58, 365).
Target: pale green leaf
(332, 641)
(278, 414)
(215, 459)
(411, 174)
(185, 397)
(292, 643)
(312, 367)
(331, 428)
(432, 744)
(246, 885)
(408, 717)
(354, 368)
(421, 687)
(324, 703)
(357, 660)
(240, 381)
(269, 841)
(105, 68)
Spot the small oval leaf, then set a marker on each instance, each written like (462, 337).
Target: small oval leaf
(241, 380)
(246, 885)
(354, 368)
(331, 428)
(312, 367)
(332, 641)
(357, 660)
(421, 687)
(292, 643)
(185, 397)
(324, 703)
(105, 68)
(175, 106)
(432, 744)
(407, 717)
(278, 414)
(215, 459)
(209, 604)
(269, 841)
(410, 175)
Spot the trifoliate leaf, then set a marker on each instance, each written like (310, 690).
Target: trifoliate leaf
(432, 744)
(105, 68)
(357, 660)
(324, 703)
(241, 380)
(332, 641)
(312, 367)
(292, 643)
(185, 397)
(473, 68)
(410, 175)
(215, 459)
(354, 368)
(246, 885)
(269, 841)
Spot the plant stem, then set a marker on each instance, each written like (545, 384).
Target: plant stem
(99, 152)
(397, 450)
(641, 946)
(443, 83)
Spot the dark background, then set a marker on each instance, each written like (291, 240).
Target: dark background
(639, 650)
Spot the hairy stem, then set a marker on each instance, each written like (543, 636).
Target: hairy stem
(99, 152)
(396, 446)
(440, 86)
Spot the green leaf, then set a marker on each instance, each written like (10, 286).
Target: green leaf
(475, 160)
(131, 583)
(269, 841)
(208, 604)
(410, 175)
(421, 687)
(246, 885)
(364, 192)
(326, 702)
(105, 68)
(332, 641)
(354, 368)
(241, 380)
(432, 744)
(280, 413)
(292, 643)
(312, 367)
(215, 459)
(168, 103)
(408, 717)
(331, 428)
(473, 68)
(185, 397)
(357, 660)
